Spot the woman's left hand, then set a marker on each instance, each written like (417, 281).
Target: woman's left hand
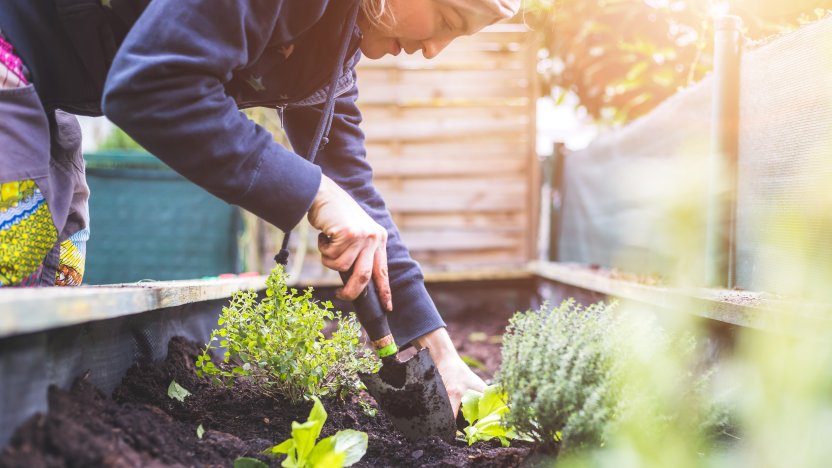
(351, 239)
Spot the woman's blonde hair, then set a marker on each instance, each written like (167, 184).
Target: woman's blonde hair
(377, 12)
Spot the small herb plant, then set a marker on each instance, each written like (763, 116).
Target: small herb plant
(484, 413)
(278, 343)
(572, 376)
(342, 449)
(558, 373)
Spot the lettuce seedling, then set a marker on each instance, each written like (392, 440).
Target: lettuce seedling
(484, 413)
(343, 449)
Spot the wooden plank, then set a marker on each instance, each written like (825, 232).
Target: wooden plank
(454, 187)
(426, 166)
(446, 135)
(510, 221)
(441, 103)
(32, 310)
(460, 240)
(432, 261)
(442, 125)
(743, 308)
(483, 79)
(374, 115)
(437, 89)
(483, 150)
(429, 203)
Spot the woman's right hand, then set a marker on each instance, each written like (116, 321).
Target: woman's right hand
(350, 239)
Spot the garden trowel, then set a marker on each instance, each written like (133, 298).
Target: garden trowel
(409, 391)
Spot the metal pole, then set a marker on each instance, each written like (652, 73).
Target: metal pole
(722, 176)
(556, 199)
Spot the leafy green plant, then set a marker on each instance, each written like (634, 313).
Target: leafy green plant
(118, 140)
(278, 343)
(485, 412)
(342, 449)
(572, 376)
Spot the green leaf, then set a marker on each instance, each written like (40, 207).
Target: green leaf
(283, 447)
(318, 416)
(470, 405)
(200, 431)
(322, 451)
(177, 392)
(484, 412)
(305, 435)
(493, 401)
(246, 462)
(352, 443)
(325, 456)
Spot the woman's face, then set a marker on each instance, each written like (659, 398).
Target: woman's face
(426, 25)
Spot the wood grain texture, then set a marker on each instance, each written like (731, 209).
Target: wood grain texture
(452, 145)
(743, 308)
(30, 310)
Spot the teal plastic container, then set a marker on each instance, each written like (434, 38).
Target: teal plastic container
(149, 223)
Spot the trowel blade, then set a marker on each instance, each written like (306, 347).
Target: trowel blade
(412, 395)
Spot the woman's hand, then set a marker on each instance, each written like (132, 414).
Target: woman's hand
(350, 239)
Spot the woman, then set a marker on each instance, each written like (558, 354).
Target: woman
(173, 74)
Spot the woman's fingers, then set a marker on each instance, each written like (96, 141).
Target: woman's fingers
(339, 254)
(362, 273)
(381, 277)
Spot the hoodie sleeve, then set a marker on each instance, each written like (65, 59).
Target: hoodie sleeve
(166, 90)
(343, 160)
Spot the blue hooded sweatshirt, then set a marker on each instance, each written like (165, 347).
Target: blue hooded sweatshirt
(173, 74)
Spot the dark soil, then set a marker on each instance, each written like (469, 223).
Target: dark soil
(141, 426)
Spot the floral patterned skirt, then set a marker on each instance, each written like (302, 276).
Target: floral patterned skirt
(43, 192)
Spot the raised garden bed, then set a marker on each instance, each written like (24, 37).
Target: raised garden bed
(137, 424)
(141, 426)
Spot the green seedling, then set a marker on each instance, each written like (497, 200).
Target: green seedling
(200, 431)
(484, 413)
(278, 343)
(342, 449)
(177, 392)
(367, 408)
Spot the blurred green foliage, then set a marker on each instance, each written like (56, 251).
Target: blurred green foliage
(119, 140)
(623, 57)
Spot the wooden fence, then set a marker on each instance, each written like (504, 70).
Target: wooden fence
(451, 142)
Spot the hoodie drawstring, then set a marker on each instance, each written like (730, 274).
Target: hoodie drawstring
(325, 124)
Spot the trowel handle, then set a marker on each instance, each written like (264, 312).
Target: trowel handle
(373, 318)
